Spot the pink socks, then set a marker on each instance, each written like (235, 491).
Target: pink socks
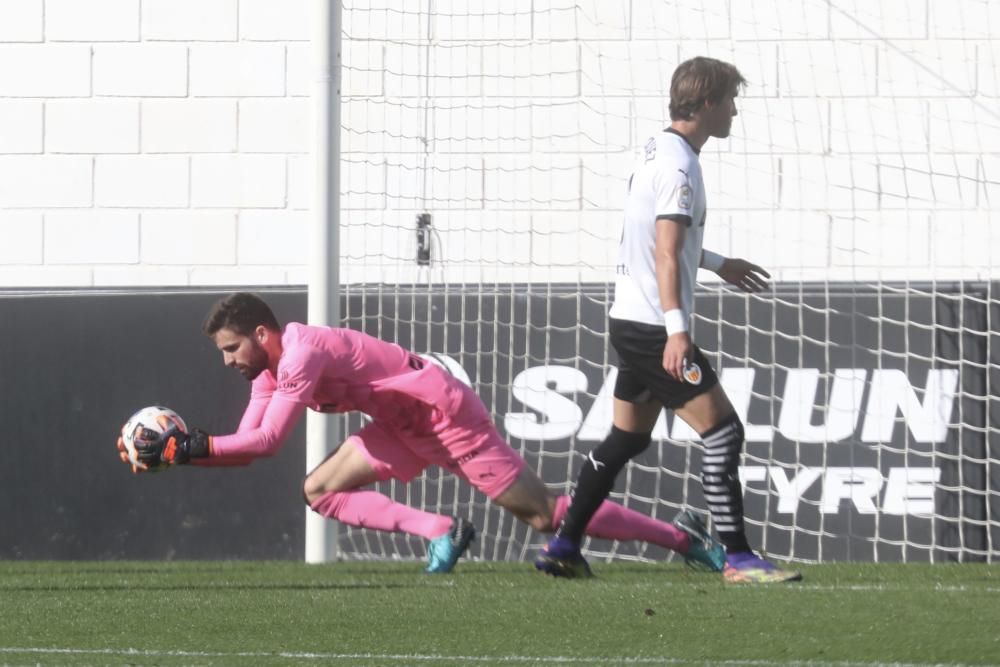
(614, 522)
(370, 509)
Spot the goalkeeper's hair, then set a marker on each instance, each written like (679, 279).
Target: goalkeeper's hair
(241, 312)
(700, 80)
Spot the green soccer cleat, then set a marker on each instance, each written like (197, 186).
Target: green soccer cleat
(704, 552)
(443, 552)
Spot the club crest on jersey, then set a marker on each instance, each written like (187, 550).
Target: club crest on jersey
(684, 197)
(650, 149)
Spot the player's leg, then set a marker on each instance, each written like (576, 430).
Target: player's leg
(499, 471)
(488, 462)
(529, 500)
(630, 436)
(712, 416)
(634, 417)
(642, 389)
(589, 512)
(333, 489)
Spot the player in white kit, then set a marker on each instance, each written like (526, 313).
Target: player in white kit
(659, 366)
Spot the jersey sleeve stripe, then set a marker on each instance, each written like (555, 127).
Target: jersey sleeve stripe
(676, 217)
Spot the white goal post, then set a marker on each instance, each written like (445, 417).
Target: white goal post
(485, 146)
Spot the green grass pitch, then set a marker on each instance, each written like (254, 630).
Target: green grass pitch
(380, 614)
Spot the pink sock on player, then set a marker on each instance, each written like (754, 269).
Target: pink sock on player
(370, 509)
(614, 522)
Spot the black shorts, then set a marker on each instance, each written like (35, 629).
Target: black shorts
(641, 377)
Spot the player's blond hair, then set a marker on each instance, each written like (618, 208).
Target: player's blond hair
(700, 80)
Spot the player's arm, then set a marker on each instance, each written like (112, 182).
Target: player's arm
(278, 422)
(260, 397)
(272, 414)
(674, 200)
(252, 418)
(199, 448)
(739, 272)
(671, 231)
(298, 374)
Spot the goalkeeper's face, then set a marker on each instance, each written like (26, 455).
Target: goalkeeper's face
(244, 353)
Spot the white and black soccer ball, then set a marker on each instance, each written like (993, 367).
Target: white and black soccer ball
(147, 423)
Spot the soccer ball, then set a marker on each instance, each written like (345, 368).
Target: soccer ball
(151, 422)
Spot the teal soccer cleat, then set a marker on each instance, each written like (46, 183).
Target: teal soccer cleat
(443, 552)
(705, 552)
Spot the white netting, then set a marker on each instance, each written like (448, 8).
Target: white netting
(860, 172)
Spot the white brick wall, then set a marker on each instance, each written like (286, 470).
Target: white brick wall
(92, 237)
(92, 125)
(142, 181)
(92, 21)
(21, 21)
(273, 237)
(237, 70)
(757, 20)
(140, 70)
(45, 70)
(21, 121)
(189, 125)
(238, 181)
(274, 125)
(267, 20)
(190, 20)
(166, 142)
(188, 238)
(46, 181)
(22, 238)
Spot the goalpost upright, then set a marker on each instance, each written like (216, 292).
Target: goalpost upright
(324, 270)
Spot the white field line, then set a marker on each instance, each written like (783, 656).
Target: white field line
(861, 588)
(867, 588)
(437, 658)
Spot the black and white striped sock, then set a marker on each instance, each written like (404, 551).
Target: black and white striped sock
(721, 482)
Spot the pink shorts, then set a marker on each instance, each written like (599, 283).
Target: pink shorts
(466, 444)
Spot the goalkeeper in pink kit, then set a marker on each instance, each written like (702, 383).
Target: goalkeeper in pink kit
(420, 416)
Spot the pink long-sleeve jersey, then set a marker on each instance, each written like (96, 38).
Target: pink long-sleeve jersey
(339, 370)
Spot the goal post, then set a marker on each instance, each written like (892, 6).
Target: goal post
(485, 151)
(324, 264)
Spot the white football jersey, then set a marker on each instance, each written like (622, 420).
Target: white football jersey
(666, 183)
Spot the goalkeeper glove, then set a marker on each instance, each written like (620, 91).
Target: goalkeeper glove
(123, 454)
(173, 446)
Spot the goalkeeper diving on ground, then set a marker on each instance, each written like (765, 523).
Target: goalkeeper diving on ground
(420, 416)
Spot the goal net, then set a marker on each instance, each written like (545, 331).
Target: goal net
(485, 150)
